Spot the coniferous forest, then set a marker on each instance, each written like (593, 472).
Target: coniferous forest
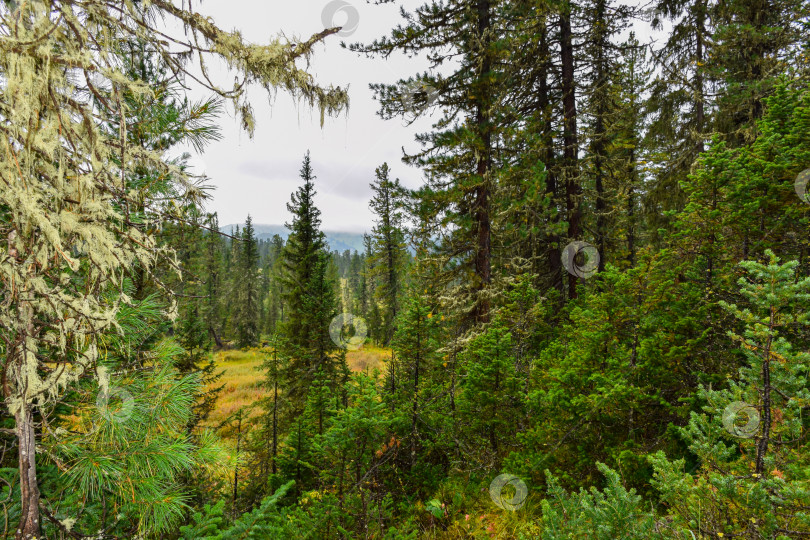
(591, 320)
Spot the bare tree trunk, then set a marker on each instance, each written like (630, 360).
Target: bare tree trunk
(29, 489)
(570, 146)
(544, 104)
(393, 382)
(217, 339)
(700, 115)
(298, 459)
(393, 282)
(24, 421)
(600, 131)
(631, 213)
(481, 214)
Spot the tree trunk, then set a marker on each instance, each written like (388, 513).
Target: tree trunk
(601, 111)
(631, 212)
(481, 213)
(298, 459)
(570, 145)
(24, 424)
(217, 339)
(700, 115)
(29, 489)
(393, 285)
(544, 104)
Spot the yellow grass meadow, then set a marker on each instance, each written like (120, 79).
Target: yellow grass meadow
(242, 377)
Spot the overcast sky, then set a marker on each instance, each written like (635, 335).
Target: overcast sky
(256, 176)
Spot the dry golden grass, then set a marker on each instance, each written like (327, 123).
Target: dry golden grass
(242, 376)
(368, 358)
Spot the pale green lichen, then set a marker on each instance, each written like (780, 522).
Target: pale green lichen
(62, 171)
(68, 523)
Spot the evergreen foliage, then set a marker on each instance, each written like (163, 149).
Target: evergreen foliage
(610, 513)
(598, 296)
(389, 255)
(246, 290)
(750, 438)
(309, 291)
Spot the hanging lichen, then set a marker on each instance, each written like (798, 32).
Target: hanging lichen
(67, 234)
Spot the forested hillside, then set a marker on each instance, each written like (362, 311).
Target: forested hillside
(337, 240)
(591, 320)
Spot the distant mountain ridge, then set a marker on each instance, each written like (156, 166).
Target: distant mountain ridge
(337, 240)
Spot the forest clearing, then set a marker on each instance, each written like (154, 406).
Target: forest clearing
(405, 269)
(243, 387)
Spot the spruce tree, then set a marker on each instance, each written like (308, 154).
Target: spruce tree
(751, 38)
(368, 283)
(629, 153)
(308, 293)
(351, 460)
(213, 269)
(192, 328)
(532, 203)
(604, 20)
(750, 438)
(274, 304)
(416, 346)
(231, 267)
(246, 289)
(459, 158)
(388, 246)
(613, 512)
(356, 284)
(490, 394)
(680, 103)
(570, 158)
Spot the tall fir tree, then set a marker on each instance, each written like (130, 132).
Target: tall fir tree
(680, 104)
(213, 268)
(460, 157)
(246, 288)
(274, 303)
(308, 292)
(389, 252)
